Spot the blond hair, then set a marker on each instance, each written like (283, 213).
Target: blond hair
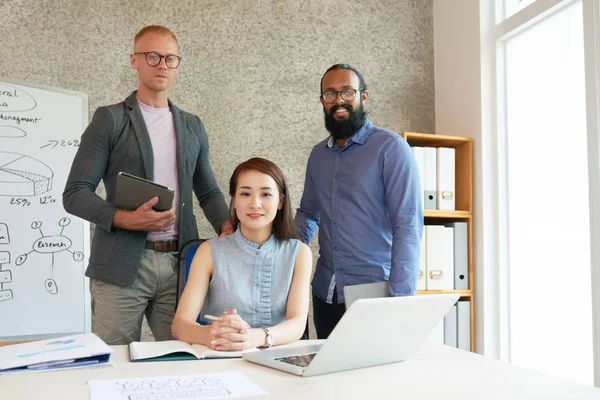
(158, 29)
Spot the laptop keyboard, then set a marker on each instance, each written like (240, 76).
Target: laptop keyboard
(301, 360)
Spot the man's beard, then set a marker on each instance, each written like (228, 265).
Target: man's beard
(343, 129)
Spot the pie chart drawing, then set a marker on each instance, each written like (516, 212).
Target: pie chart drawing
(7, 131)
(21, 175)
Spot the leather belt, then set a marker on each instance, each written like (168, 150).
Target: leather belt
(162, 245)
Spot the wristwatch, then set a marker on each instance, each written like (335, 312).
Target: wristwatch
(268, 339)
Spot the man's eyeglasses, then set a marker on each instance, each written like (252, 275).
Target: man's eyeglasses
(346, 94)
(153, 59)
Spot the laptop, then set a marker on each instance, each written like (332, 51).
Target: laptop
(133, 191)
(365, 291)
(371, 332)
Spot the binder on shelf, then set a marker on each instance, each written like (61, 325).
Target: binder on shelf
(446, 186)
(430, 178)
(440, 257)
(461, 256)
(445, 165)
(437, 334)
(450, 328)
(419, 155)
(463, 314)
(446, 180)
(422, 279)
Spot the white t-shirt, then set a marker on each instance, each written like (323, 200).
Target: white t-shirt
(160, 125)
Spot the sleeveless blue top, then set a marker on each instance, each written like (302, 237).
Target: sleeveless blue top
(255, 281)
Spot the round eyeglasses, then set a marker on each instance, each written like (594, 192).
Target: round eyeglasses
(153, 59)
(346, 95)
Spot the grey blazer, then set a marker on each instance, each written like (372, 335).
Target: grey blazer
(117, 140)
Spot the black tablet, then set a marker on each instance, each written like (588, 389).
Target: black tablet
(133, 191)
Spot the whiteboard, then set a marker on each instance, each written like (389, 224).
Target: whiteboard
(43, 249)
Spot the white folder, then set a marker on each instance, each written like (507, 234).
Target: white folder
(464, 325)
(440, 257)
(446, 185)
(430, 178)
(437, 334)
(461, 256)
(450, 331)
(422, 280)
(419, 154)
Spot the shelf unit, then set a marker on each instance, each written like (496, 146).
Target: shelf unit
(463, 199)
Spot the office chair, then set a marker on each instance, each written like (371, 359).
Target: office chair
(186, 255)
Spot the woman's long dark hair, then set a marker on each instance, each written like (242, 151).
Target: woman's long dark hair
(283, 224)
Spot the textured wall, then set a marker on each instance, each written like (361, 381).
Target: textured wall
(250, 69)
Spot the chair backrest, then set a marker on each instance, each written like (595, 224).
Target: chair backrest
(186, 255)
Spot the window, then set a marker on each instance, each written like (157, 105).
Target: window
(547, 197)
(511, 7)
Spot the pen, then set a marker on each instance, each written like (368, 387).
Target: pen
(208, 317)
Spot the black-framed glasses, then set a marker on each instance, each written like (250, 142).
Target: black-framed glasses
(153, 59)
(346, 94)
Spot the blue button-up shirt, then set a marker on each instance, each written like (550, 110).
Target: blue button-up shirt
(365, 202)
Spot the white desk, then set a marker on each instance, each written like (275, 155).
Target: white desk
(436, 372)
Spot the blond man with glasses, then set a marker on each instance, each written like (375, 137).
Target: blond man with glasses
(133, 260)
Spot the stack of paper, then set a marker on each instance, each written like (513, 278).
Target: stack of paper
(225, 385)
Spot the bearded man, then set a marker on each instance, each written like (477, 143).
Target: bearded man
(362, 195)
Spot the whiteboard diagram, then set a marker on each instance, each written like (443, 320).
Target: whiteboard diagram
(51, 245)
(15, 99)
(9, 131)
(5, 274)
(43, 250)
(21, 175)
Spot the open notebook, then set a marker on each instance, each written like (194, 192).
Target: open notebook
(177, 350)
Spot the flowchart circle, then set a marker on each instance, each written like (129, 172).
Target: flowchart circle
(52, 244)
(51, 287)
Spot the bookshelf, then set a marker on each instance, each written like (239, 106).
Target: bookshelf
(463, 199)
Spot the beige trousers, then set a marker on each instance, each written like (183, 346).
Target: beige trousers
(118, 311)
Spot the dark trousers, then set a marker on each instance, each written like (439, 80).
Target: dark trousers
(326, 316)
(305, 334)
